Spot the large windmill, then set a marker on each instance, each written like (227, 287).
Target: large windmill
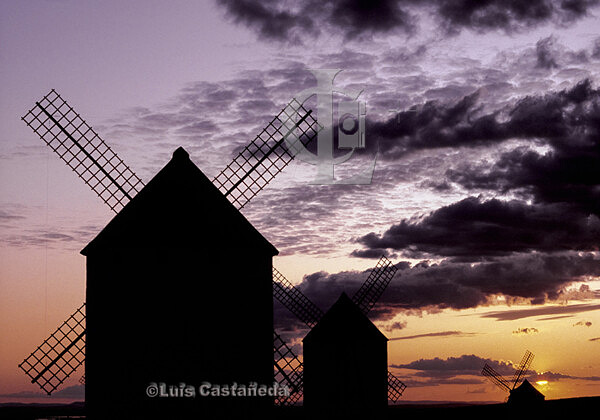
(78, 145)
(519, 390)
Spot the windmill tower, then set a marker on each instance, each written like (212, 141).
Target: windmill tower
(519, 393)
(76, 143)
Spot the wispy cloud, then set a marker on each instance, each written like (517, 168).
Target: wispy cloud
(515, 314)
(436, 334)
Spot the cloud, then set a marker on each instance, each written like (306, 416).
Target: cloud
(583, 324)
(300, 20)
(454, 369)
(567, 122)
(70, 392)
(431, 287)
(511, 15)
(546, 56)
(473, 228)
(374, 253)
(9, 216)
(436, 334)
(543, 310)
(552, 176)
(526, 331)
(294, 22)
(557, 117)
(454, 366)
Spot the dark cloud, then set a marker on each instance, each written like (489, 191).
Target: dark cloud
(583, 324)
(456, 285)
(296, 21)
(525, 331)
(546, 55)
(445, 370)
(454, 366)
(509, 15)
(374, 253)
(555, 178)
(270, 20)
(567, 119)
(474, 228)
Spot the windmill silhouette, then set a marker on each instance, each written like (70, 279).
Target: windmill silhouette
(519, 393)
(80, 147)
(310, 314)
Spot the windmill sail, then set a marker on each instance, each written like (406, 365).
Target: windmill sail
(372, 289)
(294, 300)
(523, 367)
(267, 155)
(59, 355)
(395, 387)
(288, 371)
(82, 149)
(495, 378)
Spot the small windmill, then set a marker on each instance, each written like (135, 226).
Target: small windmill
(82, 149)
(310, 314)
(518, 392)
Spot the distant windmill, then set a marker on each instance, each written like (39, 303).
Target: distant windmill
(517, 394)
(76, 143)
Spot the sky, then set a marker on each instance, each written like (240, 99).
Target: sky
(483, 117)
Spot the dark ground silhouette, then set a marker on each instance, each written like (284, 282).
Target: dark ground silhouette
(548, 409)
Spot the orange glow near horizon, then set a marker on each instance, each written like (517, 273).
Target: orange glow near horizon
(47, 285)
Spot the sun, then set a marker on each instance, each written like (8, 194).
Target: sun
(542, 383)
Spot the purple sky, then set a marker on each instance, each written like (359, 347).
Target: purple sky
(486, 188)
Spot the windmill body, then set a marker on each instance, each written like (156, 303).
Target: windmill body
(345, 362)
(525, 394)
(164, 301)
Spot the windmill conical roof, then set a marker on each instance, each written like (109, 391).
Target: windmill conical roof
(525, 393)
(344, 320)
(180, 207)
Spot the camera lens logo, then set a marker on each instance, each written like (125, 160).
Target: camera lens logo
(350, 125)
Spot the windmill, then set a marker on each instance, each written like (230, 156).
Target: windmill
(82, 149)
(518, 392)
(310, 314)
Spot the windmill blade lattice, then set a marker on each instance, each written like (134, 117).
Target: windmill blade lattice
(294, 300)
(395, 387)
(268, 154)
(82, 149)
(495, 378)
(59, 355)
(523, 367)
(288, 371)
(372, 289)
